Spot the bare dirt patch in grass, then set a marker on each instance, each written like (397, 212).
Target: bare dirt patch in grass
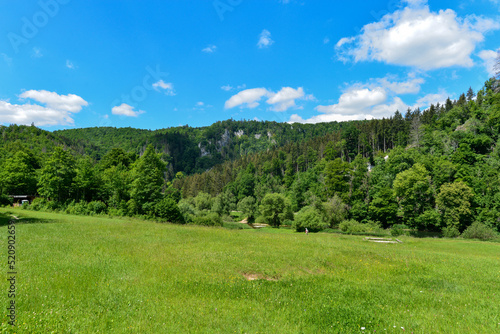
(254, 276)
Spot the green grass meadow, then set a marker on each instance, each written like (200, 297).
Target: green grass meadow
(80, 274)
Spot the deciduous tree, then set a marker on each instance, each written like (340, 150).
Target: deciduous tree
(274, 209)
(414, 191)
(454, 202)
(56, 176)
(148, 175)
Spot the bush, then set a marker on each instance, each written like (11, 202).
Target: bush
(132, 207)
(398, 229)
(450, 232)
(353, 226)
(38, 204)
(310, 218)
(187, 209)
(168, 209)
(429, 220)
(203, 201)
(52, 206)
(209, 219)
(97, 207)
(479, 231)
(79, 208)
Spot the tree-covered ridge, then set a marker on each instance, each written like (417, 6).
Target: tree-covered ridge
(20, 137)
(411, 169)
(193, 150)
(435, 169)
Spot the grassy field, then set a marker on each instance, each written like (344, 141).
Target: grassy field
(102, 275)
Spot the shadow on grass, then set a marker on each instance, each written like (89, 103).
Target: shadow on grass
(6, 217)
(426, 234)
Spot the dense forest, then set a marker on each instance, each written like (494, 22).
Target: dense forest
(431, 170)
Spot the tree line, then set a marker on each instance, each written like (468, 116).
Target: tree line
(435, 170)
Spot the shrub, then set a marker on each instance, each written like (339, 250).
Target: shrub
(132, 207)
(310, 218)
(450, 232)
(38, 204)
(203, 201)
(353, 226)
(208, 219)
(79, 208)
(187, 210)
(116, 212)
(52, 206)
(96, 207)
(398, 229)
(479, 231)
(430, 219)
(168, 209)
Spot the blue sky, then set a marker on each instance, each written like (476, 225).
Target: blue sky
(157, 64)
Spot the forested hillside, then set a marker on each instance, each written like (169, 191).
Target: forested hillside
(435, 169)
(192, 150)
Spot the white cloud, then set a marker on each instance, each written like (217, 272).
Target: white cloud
(344, 40)
(326, 40)
(248, 98)
(265, 40)
(126, 110)
(167, 87)
(58, 109)
(411, 86)
(210, 49)
(228, 88)
(417, 37)
(388, 109)
(70, 65)
(368, 109)
(71, 103)
(426, 101)
(325, 118)
(201, 106)
(355, 100)
(375, 99)
(489, 60)
(283, 100)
